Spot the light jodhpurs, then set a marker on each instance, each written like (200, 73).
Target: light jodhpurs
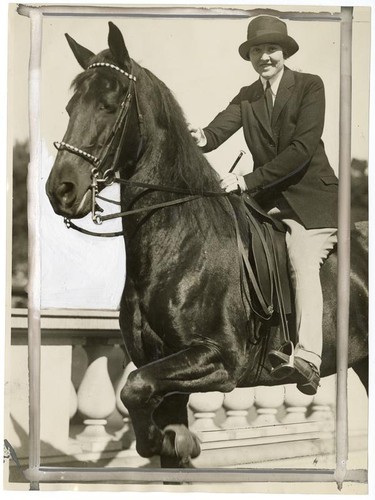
(307, 250)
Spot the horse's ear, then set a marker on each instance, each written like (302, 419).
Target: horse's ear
(82, 54)
(117, 46)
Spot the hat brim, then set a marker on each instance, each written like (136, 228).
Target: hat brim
(286, 42)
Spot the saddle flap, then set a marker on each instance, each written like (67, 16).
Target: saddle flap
(268, 258)
(260, 215)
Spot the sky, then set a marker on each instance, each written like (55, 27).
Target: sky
(198, 60)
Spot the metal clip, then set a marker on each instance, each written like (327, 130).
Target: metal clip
(97, 219)
(108, 177)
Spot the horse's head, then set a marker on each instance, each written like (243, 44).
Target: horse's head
(99, 119)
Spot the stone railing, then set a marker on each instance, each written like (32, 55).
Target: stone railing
(83, 368)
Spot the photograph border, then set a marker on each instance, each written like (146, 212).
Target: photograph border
(36, 473)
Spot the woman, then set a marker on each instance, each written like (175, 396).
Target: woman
(282, 116)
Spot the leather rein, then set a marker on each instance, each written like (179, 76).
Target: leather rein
(100, 175)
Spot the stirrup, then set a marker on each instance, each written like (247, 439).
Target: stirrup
(282, 361)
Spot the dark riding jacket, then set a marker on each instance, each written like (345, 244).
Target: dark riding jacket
(288, 154)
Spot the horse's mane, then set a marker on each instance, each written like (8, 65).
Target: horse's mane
(188, 165)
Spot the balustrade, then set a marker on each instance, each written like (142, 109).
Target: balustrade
(261, 423)
(252, 424)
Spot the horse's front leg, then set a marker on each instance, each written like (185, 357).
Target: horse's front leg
(172, 415)
(196, 369)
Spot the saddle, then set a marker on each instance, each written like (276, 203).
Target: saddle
(264, 264)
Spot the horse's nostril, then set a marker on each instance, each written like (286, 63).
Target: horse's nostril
(66, 193)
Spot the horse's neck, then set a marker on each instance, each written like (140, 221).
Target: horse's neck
(169, 156)
(154, 165)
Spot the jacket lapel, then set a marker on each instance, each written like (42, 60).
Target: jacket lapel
(283, 94)
(258, 104)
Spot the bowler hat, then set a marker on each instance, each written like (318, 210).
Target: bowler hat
(267, 29)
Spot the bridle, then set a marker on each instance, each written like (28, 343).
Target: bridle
(104, 166)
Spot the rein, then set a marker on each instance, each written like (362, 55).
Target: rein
(191, 195)
(99, 219)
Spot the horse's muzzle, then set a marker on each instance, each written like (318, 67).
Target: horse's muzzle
(68, 197)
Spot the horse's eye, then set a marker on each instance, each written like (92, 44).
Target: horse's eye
(104, 106)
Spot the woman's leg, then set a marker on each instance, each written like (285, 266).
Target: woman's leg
(307, 250)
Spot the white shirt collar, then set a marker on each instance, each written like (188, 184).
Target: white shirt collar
(274, 82)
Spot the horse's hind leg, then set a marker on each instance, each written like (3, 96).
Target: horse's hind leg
(361, 369)
(196, 369)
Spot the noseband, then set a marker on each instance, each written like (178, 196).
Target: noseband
(114, 144)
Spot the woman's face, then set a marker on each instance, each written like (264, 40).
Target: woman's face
(267, 59)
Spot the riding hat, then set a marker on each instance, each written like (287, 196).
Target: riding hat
(267, 29)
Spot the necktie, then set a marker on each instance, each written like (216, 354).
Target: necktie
(269, 100)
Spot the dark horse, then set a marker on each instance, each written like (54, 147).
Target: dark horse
(183, 315)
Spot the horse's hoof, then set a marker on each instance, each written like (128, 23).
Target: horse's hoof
(181, 443)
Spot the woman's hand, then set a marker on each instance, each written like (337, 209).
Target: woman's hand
(198, 135)
(233, 182)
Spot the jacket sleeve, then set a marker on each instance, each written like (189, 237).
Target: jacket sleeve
(306, 137)
(224, 125)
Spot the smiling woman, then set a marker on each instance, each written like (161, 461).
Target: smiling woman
(267, 59)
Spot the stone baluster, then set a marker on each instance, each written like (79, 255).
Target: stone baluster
(126, 434)
(80, 363)
(204, 406)
(96, 400)
(267, 402)
(237, 404)
(296, 404)
(73, 401)
(322, 408)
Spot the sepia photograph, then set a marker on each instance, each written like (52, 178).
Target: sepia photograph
(187, 248)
